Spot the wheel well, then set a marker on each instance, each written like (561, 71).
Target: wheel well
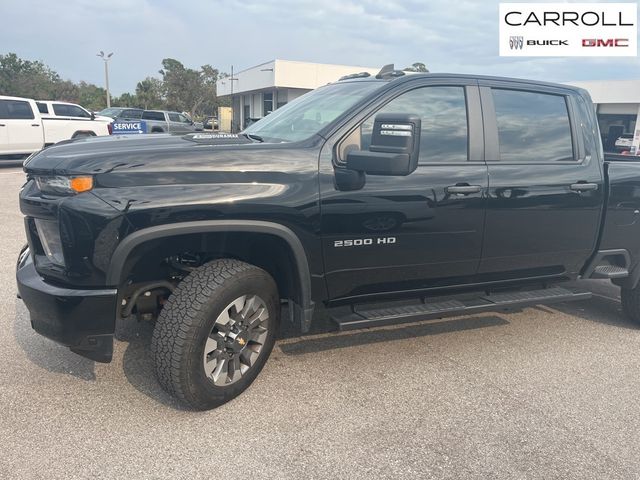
(83, 132)
(148, 262)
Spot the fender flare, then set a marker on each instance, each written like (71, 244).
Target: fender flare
(303, 312)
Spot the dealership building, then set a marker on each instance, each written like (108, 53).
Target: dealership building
(259, 90)
(618, 106)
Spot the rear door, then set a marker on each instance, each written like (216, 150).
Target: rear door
(545, 188)
(21, 126)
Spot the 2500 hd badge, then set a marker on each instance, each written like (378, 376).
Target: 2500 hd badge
(360, 242)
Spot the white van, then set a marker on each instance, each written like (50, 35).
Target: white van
(24, 129)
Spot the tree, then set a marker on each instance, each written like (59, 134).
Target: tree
(25, 78)
(33, 79)
(186, 89)
(64, 91)
(91, 96)
(181, 88)
(417, 67)
(149, 93)
(126, 100)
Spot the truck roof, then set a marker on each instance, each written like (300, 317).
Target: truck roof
(7, 97)
(410, 76)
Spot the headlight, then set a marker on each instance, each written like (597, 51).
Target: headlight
(49, 235)
(58, 184)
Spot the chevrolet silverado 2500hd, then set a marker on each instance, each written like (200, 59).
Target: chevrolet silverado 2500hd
(447, 194)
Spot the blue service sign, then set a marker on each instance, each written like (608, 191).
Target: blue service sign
(135, 126)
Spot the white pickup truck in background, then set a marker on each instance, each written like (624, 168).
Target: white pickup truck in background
(27, 126)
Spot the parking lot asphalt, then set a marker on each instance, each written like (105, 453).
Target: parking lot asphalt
(543, 392)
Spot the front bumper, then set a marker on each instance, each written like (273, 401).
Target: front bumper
(83, 320)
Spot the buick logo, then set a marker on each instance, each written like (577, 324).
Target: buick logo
(515, 43)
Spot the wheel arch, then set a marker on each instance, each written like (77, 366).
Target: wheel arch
(301, 310)
(79, 133)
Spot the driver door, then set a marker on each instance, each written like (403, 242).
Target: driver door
(414, 232)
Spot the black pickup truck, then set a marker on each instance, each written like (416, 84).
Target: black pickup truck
(386, 199)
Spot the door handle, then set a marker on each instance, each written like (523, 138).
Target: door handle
(2, 125)
(463, 189)
(583, 187)
(35, 124)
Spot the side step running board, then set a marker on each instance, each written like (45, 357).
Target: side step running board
(363, 316)
(609, 271)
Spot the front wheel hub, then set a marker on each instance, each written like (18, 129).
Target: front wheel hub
(236, 340)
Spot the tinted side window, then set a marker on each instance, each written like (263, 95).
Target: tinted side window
(131, 113)
(174, 117)
(60, 109)
(75, 111)
(589, 133)
(183, 119)
(150, 115)
(42, 107)
(532, 127)
(443, 110)
(15, 109)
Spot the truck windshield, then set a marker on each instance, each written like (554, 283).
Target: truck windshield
(307, 115)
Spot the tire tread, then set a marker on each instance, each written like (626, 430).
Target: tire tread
(181, 316)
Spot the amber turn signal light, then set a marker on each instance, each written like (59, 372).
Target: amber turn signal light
(81, 184)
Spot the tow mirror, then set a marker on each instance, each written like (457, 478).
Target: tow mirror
(394, 149)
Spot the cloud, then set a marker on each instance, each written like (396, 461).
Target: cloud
(448, 36)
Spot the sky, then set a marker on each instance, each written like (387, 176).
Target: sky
(459, 36)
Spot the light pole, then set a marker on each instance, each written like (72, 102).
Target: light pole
(233, 79)
(106, 59)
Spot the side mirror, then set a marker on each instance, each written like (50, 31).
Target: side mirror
(93, 116)
(394, 149)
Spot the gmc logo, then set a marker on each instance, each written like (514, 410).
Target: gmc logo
(609, 42)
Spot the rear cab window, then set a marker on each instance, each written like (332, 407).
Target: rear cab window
(42, 107)
(532, 126)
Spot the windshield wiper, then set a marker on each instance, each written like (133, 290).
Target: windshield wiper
(252, 136)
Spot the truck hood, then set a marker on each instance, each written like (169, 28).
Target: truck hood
(97, 155)
(167, 174)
